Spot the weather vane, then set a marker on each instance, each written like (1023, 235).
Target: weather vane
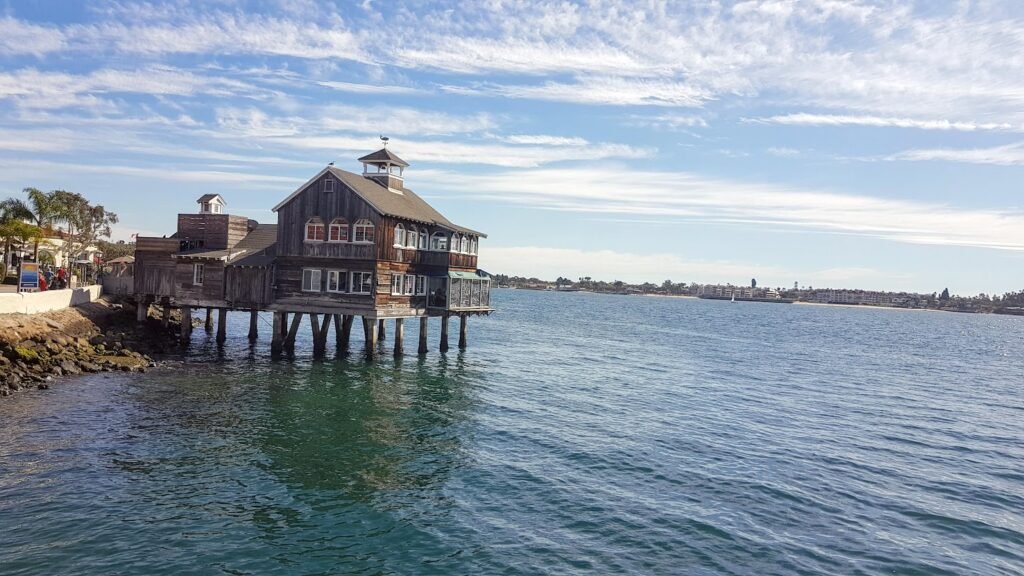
(385, 140)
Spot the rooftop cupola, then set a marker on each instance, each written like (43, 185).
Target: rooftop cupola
(211, 204)
(384, 167)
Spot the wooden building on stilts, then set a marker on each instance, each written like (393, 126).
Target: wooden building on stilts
(346, 245)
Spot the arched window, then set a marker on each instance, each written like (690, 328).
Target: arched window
(465, 245)
(315, 230)
(410, 237)
(363, 231)
(472, 245)
(338, 231)
(399, 235)
(423, 239)
(455, 243)
(439, 242)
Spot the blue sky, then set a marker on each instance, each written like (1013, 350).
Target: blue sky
(860, 143)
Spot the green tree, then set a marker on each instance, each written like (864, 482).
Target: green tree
(11, 210)
(44, 212)
(945, 294)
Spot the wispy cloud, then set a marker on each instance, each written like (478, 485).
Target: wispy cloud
(370, 88)
(804, 119)
(684, 195)
(1008, 155)
(446, 152)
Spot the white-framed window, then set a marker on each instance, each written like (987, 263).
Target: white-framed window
(311, 279)
(465, 245)
(338, 231)
(410, 237)
(362, 283)
(216, 208)
(198, 274)
(328, 184)
(396, 284)
(315, 230)
(423, 240)
(472, 245)
(439, 242)
(399, 235)
(455, 243)
(337, 281)
(363, 232)
(421, 285)
(410, 285)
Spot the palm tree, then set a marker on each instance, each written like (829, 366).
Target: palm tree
(45, 211)
(11, 210)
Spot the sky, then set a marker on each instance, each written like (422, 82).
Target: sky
(872, 144)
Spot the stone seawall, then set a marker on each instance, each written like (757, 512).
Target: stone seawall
(92, 337)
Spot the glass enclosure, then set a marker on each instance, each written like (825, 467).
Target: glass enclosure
(459, 291)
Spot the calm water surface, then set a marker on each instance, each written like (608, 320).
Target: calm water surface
(580, 433)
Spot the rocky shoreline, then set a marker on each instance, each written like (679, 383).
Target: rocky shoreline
(103, 336)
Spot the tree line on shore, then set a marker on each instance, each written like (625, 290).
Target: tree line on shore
(68, 217)
(1007, 303)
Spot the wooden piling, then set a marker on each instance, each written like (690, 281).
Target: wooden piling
(165, 319)
(186, 323)
(399, 336)
(444, 332)
(254, 318)
(463, 329)
(381, 333)
(277, 333)
(342, 332)
(314, 322)
(141, 310)
(222, 325)
(289, 340)
(370, 331)
(423, 335)
(209, 320)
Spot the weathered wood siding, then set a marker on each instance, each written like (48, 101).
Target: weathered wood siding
(248, 287)
(154, 266)
(314, 202)
(217, 231)
(213, 280)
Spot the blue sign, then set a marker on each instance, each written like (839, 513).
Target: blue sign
(28, 277)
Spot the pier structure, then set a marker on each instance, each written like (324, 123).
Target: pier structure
(345, 245)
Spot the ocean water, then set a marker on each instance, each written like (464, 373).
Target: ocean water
(579, 434)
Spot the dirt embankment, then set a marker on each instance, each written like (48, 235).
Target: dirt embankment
(95, 337)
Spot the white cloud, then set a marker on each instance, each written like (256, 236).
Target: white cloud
(804, 119)
(783, 152)
(601, 90)
(17, 37)
(548, 263)
(445, 152)
(370, 88)
(1008, 155)
(681, 195)
(372, 120)
(544, 139)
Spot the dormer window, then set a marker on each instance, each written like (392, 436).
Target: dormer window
(473, 246)
(363, 232)
(456, 242)
(465, 245)
(315, 230)
(338, 231)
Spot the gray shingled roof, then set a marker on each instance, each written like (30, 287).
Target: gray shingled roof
(258, 246)
(405, 205)
(208, 197)
(256, 249)
(384, 155)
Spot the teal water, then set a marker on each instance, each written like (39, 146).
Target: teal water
(579, 433)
